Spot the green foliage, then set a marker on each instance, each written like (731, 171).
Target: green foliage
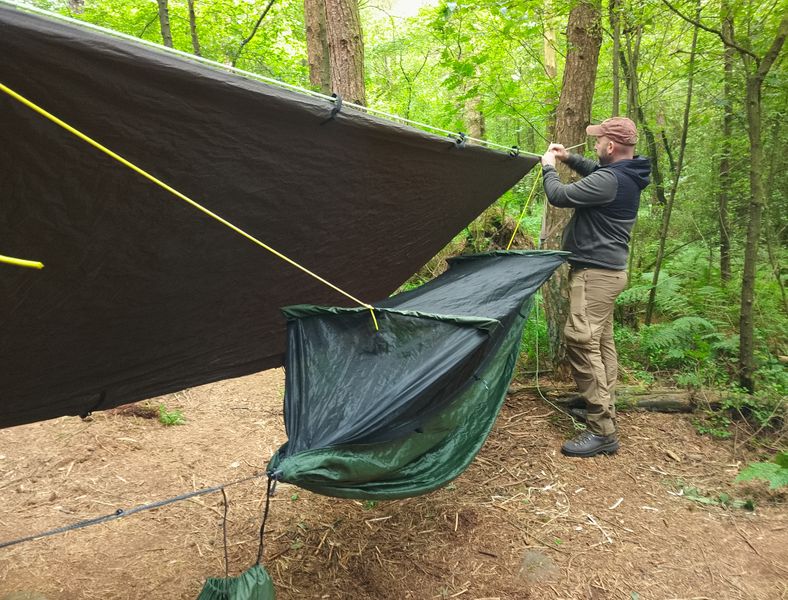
(774, 472)
(169, 418)
(721, 499)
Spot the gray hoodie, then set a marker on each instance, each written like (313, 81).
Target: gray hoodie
(606, 202)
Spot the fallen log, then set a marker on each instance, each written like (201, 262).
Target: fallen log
(657, 400)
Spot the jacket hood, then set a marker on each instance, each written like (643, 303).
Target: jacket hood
(638, 169)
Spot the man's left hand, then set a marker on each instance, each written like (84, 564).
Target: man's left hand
(548, 159)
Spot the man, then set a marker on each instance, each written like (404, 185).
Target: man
(606, 202)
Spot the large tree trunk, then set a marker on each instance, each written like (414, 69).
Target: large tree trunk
(164, 22)
(346, 50)
(584, 37)
(317, 45)
(726, 180)
(193, 29)
(663, 235)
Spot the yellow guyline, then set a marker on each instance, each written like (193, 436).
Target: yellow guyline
(21, 262)
(178, 194)
(525, 207)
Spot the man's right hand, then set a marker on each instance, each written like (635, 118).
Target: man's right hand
(559, 151)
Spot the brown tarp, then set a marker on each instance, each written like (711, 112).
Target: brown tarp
(143, 295)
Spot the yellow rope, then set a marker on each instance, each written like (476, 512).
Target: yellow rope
(21, 262)
(527, 202)
(178, 194)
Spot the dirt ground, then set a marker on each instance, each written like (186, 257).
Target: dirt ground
(523, 522)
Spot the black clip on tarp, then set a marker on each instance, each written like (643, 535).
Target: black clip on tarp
(337, 100)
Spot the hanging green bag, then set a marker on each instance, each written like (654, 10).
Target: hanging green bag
(253, 584)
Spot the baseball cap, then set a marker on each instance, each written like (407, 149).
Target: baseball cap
(618, 129)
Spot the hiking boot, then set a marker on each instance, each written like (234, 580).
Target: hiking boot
(589, 444)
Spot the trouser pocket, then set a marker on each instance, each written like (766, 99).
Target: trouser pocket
(578, 327)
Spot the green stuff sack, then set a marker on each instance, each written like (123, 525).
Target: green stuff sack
(254, 584)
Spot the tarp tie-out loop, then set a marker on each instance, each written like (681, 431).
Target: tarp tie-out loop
(514, 151)
(335, 110)
(460, 140)
(268, 493)
(31, 105)
(21, 262)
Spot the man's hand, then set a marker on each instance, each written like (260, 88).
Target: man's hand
(559, 151)
(548, 159)
(554, 151)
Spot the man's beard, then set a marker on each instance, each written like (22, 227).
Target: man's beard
(606, 159)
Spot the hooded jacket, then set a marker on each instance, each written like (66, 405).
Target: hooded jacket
(606, 203)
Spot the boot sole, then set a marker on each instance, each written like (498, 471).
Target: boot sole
(606, 449)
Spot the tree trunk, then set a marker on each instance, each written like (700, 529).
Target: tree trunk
(663, 236)
(584, 38)
(164, 22)
(757, 202)
(345, 49)
(317, 45)
(193, 29)
(550, 67)
(474, 117)
(726, 180)
(615, 26)
(633, 57)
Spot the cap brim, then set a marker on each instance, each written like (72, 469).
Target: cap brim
(595, 130)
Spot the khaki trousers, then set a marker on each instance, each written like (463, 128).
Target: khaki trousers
(589, 342)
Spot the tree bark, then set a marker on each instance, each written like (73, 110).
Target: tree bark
(164, 22)
(663, 236)
(193, 29)
(726, 180)
(317, 45)
(346, 50)
(584, 38)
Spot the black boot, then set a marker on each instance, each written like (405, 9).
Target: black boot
(588, 444)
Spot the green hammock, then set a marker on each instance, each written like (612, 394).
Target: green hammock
(402, 411)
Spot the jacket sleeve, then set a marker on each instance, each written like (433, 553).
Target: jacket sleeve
(581, 165)
(597, 189)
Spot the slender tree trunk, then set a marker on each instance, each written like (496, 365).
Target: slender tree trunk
(550, 66)
(631, 79)
(663, 236)
(726, 179)
(317, 45)
(584, 38)
(633, 57)
(757, 203)
(615, 26)
(474, 117)
(164, 22)
(346, 49)
(76, 6)
(193, 29)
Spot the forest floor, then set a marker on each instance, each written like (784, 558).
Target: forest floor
(523, 522)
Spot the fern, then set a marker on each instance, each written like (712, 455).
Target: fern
(676, 335)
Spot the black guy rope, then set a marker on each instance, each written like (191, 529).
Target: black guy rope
(120, 513)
